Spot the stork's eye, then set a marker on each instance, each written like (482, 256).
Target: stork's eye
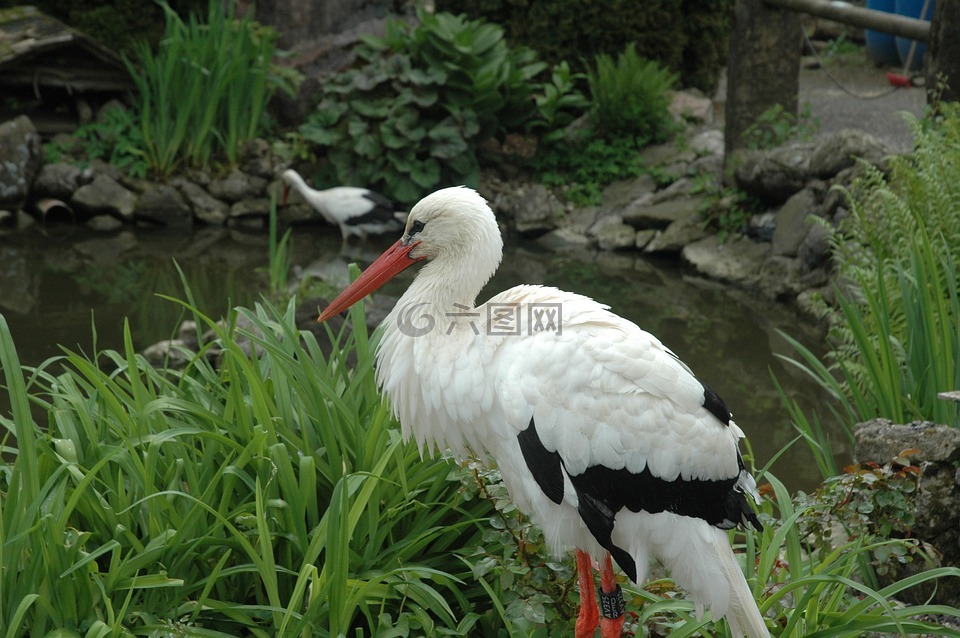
(416, 227)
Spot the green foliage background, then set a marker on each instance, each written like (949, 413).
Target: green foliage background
(690, 36)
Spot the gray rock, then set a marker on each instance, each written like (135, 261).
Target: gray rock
(535, 210)
(741, 262)
(690, 107)
(841, 150)
(793, 223)
(57, 180)
(105, 195)
(616, 237)
(236, 186)
(619, 195)
(774, 175)
(662, 214)
(709, 142)
(735, 261)
(936, 501)
(21, 155)
(163, 204)
(563, 238)
(677, 235)
(644, 237)
(205, 206)
(169, 353)
(581, 219)
(677, 188)
(814, 252)
(881, 441)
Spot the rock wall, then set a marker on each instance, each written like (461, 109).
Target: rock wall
(782, 253)
(935, 449)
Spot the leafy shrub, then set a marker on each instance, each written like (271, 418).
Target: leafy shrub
(117, 139)
(775, 127)
(409, 119)
(871, 501)
(580, 170)
(204, 91)
(726, 210)
(631, 96)
(687, 36)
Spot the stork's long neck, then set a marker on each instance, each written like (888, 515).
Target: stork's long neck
(453, 279)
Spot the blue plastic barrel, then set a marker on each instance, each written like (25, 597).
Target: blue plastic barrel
(912, 9)
(882, 47)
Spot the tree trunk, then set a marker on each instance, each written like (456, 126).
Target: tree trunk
(943, 53)
(763, 69)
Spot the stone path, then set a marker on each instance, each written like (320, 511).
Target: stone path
(863, 99)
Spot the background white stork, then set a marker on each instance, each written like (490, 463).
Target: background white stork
(601, 433)
(356, 211)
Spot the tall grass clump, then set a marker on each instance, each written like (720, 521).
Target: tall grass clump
(267, 495)
(630, 96)
(895, 342)
(204, 91)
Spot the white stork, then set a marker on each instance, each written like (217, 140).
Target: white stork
(602, 435)
(356, 211)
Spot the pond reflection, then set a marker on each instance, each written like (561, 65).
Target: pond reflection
(53, 285)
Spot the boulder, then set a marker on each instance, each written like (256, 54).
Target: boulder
(57, 180)
(237, 185)
(164, 205)
(205, 206)
(22, 156)
(841, 150)
(104, 195)
(688, 106)
(616, 237)
(881, 441)
(677, 235)
(935, 449)
(621, 194)
(641, 215)
(742, 262)
(534, 209)
(793, 223)
(814, 252)
(773, 175)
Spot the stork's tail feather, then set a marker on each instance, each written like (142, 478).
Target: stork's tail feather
(743, 615)
(702, 562)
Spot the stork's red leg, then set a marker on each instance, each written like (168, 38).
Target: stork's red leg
(589, 616)
(611, 623)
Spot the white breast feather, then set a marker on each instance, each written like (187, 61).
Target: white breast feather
(602, 392)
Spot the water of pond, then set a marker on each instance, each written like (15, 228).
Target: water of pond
(57, 282)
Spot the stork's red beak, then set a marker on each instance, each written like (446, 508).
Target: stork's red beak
(395, 260)
(286, 192)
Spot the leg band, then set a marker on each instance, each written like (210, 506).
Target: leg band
(611, 604)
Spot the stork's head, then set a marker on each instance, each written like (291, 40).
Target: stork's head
(452, 227)
(288, 177)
